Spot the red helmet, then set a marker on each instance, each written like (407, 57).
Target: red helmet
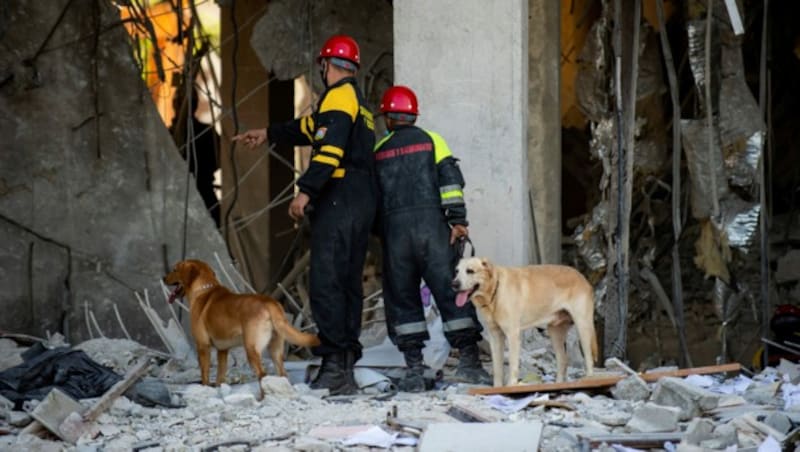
(340, 46)
(400, 99)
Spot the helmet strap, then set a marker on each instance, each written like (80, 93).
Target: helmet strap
(323, 72)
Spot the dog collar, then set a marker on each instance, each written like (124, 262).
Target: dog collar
(203, 288)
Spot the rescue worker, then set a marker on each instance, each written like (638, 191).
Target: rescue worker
(340, 186)
(423, 215)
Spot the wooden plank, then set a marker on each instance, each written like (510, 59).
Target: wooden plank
(117, 390)
(76, 425)
(632, 439)
(602, 382)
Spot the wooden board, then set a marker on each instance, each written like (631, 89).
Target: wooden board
(602, 382)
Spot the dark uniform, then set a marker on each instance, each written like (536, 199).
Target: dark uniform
(421, 194)
(341, 185)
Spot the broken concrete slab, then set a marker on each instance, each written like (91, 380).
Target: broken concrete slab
(54, 409)
(96, 201)
(779, 421)
(480, 437)
(630, 389)
(698, 430)
(692, 400)
(724, 436)
(763, 393)
(653, 418)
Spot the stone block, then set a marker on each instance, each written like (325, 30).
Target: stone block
(692, 400)
(277, 386)
(653, 418)
(630, 389)
(779, 422)
(698, 430)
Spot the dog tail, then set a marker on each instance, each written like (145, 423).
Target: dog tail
(289, 332)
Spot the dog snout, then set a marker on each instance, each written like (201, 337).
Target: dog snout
(455, 284)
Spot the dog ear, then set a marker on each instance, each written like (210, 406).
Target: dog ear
(190, 272)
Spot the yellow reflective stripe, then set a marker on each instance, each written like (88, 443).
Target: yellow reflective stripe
(383, 140)
(306, 126)
(440, 149)
(368, 120)
(453, 194)
(342, 98)
(335, 150)
(326, 160)
(338, 173)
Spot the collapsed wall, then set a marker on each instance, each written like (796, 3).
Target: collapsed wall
(93, 193)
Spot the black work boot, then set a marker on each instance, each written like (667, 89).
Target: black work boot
(414, 380)
(333, 375)
(350, 359)
(469, 368)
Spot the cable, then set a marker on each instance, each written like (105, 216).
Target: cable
(235, 117)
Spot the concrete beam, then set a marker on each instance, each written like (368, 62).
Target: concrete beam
(467, 61)
(544, 128)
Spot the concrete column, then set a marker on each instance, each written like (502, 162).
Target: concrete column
(467, 60)
(544, 128)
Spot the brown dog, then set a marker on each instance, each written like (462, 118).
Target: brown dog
(222, 319)
(510, 300)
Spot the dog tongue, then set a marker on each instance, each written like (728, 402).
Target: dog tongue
(461, 298)
(173, 295)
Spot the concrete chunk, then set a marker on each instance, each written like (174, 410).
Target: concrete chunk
(18, 418)
(790, 370)
(692, 400)
(54, 409)
(779, 422)
(240, 399)
(653, 418)
(698, 430)
(630, 389)
(277, 386)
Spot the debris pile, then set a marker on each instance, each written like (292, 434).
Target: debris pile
(699, 408)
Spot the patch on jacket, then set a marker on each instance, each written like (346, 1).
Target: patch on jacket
(320, 133)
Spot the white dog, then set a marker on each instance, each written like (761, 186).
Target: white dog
(511, 300)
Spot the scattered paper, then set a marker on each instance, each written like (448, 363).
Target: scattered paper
(703, 381)
(508, 405)
(736, 385)
(770, 444)
(377, 437)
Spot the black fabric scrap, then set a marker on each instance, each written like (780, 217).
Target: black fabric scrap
(71, 371)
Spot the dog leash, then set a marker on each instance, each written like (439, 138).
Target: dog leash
(461, 247)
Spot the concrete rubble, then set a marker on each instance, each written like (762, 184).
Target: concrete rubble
(699, 412)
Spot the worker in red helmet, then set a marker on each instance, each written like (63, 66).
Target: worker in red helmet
(340, 185)
(422, 216)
